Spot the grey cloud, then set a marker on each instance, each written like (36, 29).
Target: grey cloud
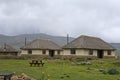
(59, 17)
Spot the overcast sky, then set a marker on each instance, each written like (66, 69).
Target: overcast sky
(99, 18)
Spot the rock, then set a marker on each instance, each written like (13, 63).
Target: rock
(14, 78)
(23, 76)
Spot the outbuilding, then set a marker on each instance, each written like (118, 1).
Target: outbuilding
(8, 50)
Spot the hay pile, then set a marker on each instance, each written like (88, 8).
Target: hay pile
(23, 76)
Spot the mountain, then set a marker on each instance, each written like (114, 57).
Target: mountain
(19, 40)
(116, 45)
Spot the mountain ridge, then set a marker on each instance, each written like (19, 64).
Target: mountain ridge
(19, 40)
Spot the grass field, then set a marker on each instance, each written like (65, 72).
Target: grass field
(62, 69)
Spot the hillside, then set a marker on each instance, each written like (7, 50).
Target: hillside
(116, 45)
(19, 40)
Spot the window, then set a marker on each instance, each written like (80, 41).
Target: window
(108, 52)
(58, 52)
(73, 51)
(90, 52)
(43, 51)
(29, 51)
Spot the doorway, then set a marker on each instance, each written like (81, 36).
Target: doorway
(100, 54)
(51, 53)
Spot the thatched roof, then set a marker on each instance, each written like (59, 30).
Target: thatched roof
(88, 42)
(42, 44)
(7, 48)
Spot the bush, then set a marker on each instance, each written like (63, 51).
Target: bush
(110, 71)
(117, 63)
(13, 57)
(103, 71)
(113, 71)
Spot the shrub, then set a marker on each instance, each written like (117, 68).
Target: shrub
(113, 71)
(110, 71)
(103, 71)
(117, 63)
(13, 57)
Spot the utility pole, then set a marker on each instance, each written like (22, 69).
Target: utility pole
(67, 38)
(4, 45)
(25, 41)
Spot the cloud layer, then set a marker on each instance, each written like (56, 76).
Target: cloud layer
(60, 17)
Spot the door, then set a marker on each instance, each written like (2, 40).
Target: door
(51, 53)
(100, 53)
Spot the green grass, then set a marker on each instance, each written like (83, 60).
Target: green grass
(62, 70)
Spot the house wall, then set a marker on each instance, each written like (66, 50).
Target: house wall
(66, 52)
(34, 52)
(24, 52)
(85, 52)
(79, 52)
(56, 52)
(112, 53)
(39, 52)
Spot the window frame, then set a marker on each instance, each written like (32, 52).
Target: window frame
(29, 51)
(109, 52)
(43, 52)
(73, 51)
(90, 51)
(58, 52)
